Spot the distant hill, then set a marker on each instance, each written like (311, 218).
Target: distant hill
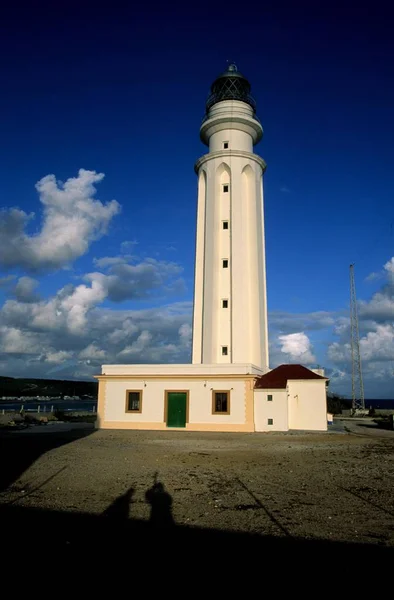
(10, 386)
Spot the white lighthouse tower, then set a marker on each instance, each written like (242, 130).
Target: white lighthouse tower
(228, 386)
(230, 297)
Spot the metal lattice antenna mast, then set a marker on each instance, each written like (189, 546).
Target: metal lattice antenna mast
(357, 376)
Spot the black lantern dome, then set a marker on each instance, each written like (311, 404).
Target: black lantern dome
(230, 85)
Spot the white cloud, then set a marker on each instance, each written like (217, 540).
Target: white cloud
(377, 345)
(25, 289)
(63, 332)
(124, 333)
(387, 271)
(77, 304)
(93, 352)
(376, 326)
(16, 341)
(374, 276)
(185, 335)
(145, 279)
(389, 268)
(381, 306)
(298, 347)
(66, 311)
(142, 342)
(58, 357)
(71, 220)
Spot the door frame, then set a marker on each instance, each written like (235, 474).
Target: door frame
(166, 392)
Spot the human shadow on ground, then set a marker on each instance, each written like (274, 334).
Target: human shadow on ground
(115, 537)
(156, 496)
(120, 508)
(103, 540)
(161, 504)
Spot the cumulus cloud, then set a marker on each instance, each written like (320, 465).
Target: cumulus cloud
(66, 311)
(374, 276)
(58, 357)
(124, 332)
(185, 335)
(25, 289)
(389, 268)
(380, 307)
(376, 326)
(377, 345)
(78, 303)
(71, 333)
(387, 271)
(93, 353)
(298, 347)
(71, 220)
(125, 281)
(17, 341)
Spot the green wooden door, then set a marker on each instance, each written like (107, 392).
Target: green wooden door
(176, 409)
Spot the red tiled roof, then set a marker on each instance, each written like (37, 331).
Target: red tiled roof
(277, 378)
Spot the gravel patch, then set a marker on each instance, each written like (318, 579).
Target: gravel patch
(301, 485)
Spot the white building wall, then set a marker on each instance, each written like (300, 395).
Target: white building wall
(153, 400)
(205, 370)
(307, 404)
(276, 409)
(236, 138)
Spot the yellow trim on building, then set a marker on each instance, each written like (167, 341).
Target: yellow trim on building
(231, 427)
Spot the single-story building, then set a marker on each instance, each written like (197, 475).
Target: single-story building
(291, 397)
(224, 397)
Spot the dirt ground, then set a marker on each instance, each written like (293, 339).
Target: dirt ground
(330, 486)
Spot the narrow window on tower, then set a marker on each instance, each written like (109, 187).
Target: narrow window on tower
(270, 421)
(225, 224)
(225, 145)
(224, 303)
(225, 188)
(224, 350)
(269, 397)
(225, 263)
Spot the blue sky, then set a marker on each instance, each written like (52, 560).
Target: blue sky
(122, 93)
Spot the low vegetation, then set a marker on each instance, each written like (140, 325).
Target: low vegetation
(335, 404)
(10, 386)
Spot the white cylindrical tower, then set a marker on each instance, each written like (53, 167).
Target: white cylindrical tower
(230, 298)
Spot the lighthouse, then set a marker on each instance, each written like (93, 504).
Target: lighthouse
(230, 296)
(228, 386)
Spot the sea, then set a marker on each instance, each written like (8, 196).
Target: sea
(384, 404)
(46, 406)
